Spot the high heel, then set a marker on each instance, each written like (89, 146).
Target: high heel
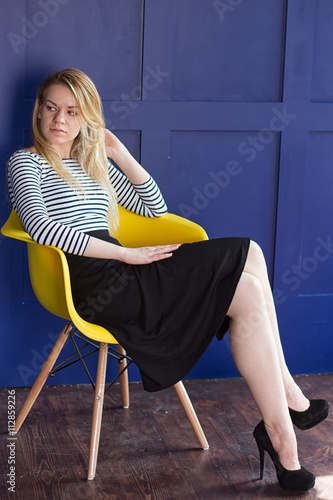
(292, 480)
(316, 413)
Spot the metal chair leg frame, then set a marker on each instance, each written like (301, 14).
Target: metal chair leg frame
(40, 381)
(80, 357)
(98, 409)
(190, 412)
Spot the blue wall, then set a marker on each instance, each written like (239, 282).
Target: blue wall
(229, 105)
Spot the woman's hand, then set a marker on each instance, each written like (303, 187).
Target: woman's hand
(100, 249)
(147, 255)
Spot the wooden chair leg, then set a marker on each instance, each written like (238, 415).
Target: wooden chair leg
(98, 409)
(123, 378)
(40, 381)
(190, 412)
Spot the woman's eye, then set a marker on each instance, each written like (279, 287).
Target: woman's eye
(50, 108)
(72, 113)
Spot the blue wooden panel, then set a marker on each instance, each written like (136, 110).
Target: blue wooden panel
(157, 56)
(317, 243)
(322, 83)
(219, 55)
(11, 92)
(299, 50)
(218, 179)
(304, 250)
(99, 37)
(11, 83)
(306, 331)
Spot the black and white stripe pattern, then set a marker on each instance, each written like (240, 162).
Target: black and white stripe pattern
(54, 214)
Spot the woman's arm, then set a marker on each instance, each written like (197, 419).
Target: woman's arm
(24, 177)
(24, 173)
(144, 255)
(116, 150)
(136, 190)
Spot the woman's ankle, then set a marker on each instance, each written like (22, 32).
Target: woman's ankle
(284, 442)
(295, 397)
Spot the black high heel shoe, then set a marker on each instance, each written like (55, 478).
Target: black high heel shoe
(292, 480)
(316, 413)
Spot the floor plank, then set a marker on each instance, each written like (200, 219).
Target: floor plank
(149, 451)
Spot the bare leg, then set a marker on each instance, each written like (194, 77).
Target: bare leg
(254, 350)
(256, 266)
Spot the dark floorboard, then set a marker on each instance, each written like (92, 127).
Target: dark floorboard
(149, 451)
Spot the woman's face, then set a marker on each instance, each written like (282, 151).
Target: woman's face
(60, 118)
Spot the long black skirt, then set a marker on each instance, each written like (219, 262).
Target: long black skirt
(164, 314)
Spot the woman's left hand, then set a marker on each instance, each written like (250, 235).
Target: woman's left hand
(147, 255)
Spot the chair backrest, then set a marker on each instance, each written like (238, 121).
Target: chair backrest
(48, 267)
(45, 268)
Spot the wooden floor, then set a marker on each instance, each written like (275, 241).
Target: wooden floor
(149, 451)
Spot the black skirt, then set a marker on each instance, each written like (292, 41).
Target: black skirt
(164, 314)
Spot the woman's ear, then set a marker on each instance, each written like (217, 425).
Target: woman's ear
(39, 114)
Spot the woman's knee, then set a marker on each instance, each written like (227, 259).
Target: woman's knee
(255, 263)
(256, 250)
(248, 296)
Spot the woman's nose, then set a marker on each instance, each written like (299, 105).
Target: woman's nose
(59, 116)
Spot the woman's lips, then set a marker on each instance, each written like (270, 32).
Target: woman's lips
(57, 131)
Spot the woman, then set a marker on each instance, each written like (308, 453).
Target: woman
(168, 302)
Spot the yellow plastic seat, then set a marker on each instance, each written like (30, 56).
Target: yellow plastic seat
(50, 279)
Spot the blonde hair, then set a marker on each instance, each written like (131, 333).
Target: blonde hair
(89, 146)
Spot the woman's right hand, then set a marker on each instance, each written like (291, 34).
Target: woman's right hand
(147, 255)
(101, 249)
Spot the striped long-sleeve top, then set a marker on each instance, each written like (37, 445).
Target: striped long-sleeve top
(54, 214)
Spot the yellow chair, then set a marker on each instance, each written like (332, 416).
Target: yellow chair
(50, 279)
